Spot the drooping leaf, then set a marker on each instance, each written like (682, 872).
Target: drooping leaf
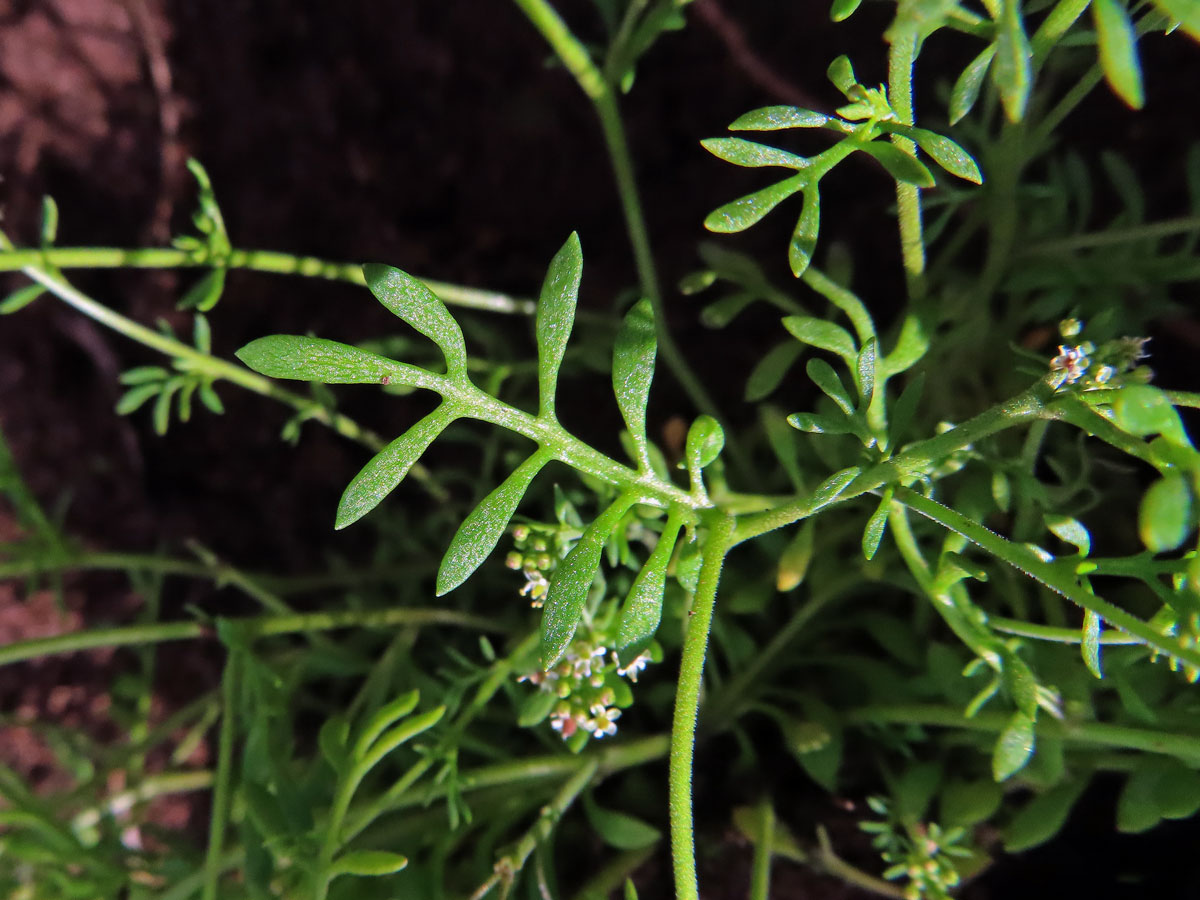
(804, 237)
(1072, 531)
(1013, 747)
(1090, 645)
(741, 152)
(841, 74)
(823, 334)
(367, 862)
(387, 468)
(827, 380)
(876, 525)
(1165, 516)
(417, 305)
(900, 165)
(633, 370)
(21, 298)
(1118, 51)
(642, 610)
(841, 10)
(776, 118)
(705, 440)
(795, 559)
(205, 293)
(771, 368)
(618, 829)
(479, 533)
(571, 581)
(746, 211)
(1012, 71)
(966, 88)
(316, 359)
(1043, 816)
(945, 152)
(556, 316)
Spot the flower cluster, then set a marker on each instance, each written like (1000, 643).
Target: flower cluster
(535, 556)
(1083, 364)
(922, 853)
(588, 684)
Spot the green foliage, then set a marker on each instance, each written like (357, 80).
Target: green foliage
(966, 572)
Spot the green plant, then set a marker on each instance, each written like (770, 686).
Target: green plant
(962, 482)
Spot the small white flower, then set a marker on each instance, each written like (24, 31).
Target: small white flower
(636, 665)
(603, 720)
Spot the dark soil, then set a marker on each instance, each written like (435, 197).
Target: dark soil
(433, 136)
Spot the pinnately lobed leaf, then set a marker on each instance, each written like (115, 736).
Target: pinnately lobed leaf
(329, 362)
(633, 371)
(388, 467)
(556, 316)
(417, 305)
(479, 533)
(746, 211)
(573, 579)
(777, 118)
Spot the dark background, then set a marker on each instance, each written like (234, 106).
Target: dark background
(438, 137)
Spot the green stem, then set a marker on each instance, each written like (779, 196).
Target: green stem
(255, 627)
(1150, 231)
(916, 461)
(222, 795)
(269, 261)
(148, 788)
(1184, 746)
(760, 875)
(687, 702)
(161, 565)
(508, 868)
(1053, 633)
(1058, 576)
(902, 55)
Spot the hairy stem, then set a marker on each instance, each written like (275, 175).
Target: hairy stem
(902, 55)
(687, 702)
(254, 627)
(223, 792)
(269, 261)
